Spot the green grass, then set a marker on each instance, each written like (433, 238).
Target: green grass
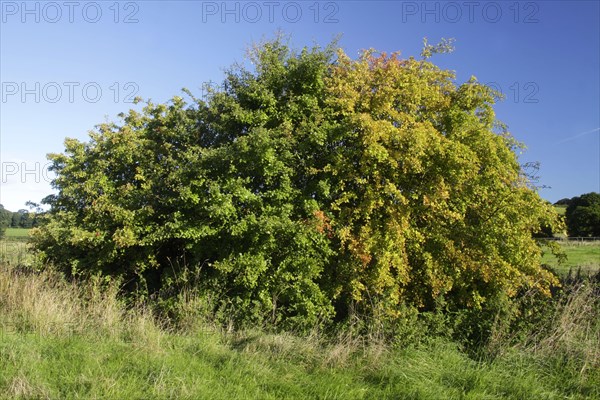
(17, 232)
(14, 252)
(65, 341)
(561, 209)
(203, 367)
(584, 255)
(61, 340)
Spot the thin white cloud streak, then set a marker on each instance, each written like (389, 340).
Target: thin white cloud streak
(577, 136)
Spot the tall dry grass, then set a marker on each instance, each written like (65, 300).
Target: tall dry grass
(574, 334)
(45, 303)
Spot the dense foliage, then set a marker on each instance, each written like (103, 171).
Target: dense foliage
(313, 187)
(5, 219)
(23, 219)
(583, 215)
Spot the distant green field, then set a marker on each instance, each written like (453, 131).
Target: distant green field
(584, 255)
(17, 232)
(561, 209)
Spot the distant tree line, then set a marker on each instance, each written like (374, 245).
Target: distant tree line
(18, 219)
(582, 215)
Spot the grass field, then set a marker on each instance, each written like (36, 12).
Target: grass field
(208, 367)
(17, 233)
(584, 255)
(65, 341)
(561, 209)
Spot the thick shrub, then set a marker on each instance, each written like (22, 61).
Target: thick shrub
(312, 188)
(583, 215)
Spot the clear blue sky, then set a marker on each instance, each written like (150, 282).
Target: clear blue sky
(54, 56)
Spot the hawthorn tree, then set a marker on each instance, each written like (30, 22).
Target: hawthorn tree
(313, 187)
